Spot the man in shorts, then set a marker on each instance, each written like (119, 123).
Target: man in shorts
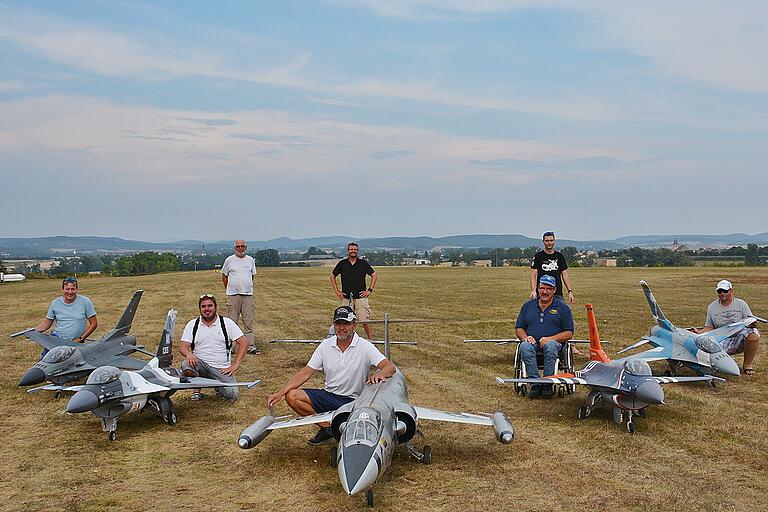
(345, 358)
(725, 310)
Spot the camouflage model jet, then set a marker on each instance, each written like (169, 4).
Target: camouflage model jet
(110, 392)
(626, 385)
(369, 428)
(703, 353)
(68, 361)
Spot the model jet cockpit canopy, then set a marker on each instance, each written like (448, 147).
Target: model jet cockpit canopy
(638, 367)
(363, 428)
(708, 344)
(58, 354)
(104, 375)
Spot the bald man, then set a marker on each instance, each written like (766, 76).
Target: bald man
(237, 275)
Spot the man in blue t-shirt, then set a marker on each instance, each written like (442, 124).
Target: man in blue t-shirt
(544, 323)
(74, 314)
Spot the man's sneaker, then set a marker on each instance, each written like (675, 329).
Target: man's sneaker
(254, 351)
(535, 391)
(196, 396)
(189, 372)
(323, 435)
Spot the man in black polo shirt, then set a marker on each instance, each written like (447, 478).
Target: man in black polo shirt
(353, 288)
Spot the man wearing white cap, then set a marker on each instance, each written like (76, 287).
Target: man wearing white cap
(726, 310)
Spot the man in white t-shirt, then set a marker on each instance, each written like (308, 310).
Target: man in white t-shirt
(205, 346)
(725, 310)
(237, 275)
(345, 358)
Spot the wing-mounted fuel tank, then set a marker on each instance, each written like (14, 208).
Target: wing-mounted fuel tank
(256, 432)
(340, 417)
(406, 421)
(502, 425)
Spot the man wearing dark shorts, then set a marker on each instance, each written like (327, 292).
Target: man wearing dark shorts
(345, 358)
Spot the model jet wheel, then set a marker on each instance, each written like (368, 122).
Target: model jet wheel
(643, 413)
(426, 457)
(630, 427)
(333, 459)
(369, 497)
(583, 412)
(668, 373)
(172, 419)
(712, 384)
(112, 435)
(561, 391)
(58, 395)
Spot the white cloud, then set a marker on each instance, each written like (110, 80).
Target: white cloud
(10, 86)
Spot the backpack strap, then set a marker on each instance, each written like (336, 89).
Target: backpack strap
(227, 341)
(194, 332)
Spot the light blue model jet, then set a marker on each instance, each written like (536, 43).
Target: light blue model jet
(703, 353)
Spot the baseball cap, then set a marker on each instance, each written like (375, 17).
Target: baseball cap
(344, 314)
(724, 285)
(548, 280)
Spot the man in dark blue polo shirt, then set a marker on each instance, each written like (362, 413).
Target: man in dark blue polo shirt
(544, 323)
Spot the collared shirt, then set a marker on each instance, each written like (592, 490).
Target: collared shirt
(210, 345)
(549, 321)
(353, 276)
(345, 372)
(70, 318)
(239, 272)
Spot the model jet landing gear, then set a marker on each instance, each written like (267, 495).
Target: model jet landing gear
(58, 394)
(333, 459)
(593, 402)
(369, 497)
(109, 425)
(674, 366)
(618, 418)
(164, 407)
(425, 455)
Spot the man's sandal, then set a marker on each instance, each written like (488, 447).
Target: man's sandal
(749, 371)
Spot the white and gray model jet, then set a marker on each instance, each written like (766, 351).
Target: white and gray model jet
(67, 361)
(369, 428)
(110, 392)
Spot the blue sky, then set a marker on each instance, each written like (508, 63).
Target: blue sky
(219, 120)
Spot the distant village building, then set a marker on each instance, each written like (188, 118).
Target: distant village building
(410, 262)
(482, 263)
(677, 247)
(605, 262)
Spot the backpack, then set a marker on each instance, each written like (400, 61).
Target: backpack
(227, 341)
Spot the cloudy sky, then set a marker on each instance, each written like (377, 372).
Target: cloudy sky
(216, 120)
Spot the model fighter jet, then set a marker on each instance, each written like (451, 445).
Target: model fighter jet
(67, 361)
(369, 428)
(703, 353)
(626, 385)
(110, 392)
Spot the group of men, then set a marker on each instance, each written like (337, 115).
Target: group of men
(544, 324)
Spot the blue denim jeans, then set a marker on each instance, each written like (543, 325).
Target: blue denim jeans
(551, 352)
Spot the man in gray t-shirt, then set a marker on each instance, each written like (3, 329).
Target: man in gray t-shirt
(726, 310)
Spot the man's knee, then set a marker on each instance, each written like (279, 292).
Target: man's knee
(527, 349)
(230, 394)
(294, 396)
(552, 348)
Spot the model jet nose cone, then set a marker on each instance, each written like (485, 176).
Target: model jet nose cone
(83, 401)
(650, 392)
(358, 469)
(725, 364)
(33, 376)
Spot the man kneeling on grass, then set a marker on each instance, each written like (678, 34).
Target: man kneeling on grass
(345, 358)
(205, 346)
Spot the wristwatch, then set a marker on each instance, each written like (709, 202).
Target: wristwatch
(370, 290)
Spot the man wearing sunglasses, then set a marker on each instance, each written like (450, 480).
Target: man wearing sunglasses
(205, 346)
(545, 323)
(74, 314)
(237, 275)
(725, 310)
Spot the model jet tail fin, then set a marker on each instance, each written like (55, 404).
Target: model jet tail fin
(596, 352)
(165, 349)
(124, 324)
(658, 315)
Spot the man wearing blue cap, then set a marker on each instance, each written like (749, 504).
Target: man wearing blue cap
(545, 323)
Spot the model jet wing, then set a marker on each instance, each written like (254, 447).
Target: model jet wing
(423, 413)
(671, 380)
(729, 330)
(202, 382)
(127, 363)
(46, 341)
(563, 378)
(317, 342)
(54, 387)
(504, 341)
(643, 341)
(653, 354)
(306, 420)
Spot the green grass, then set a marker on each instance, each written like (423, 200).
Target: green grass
(704, 450)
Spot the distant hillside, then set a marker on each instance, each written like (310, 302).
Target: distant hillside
(62, 245)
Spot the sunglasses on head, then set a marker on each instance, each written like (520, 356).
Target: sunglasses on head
(69, 280)
(207, 296)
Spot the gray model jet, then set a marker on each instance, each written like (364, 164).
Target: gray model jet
(110, 392)
(703, 353)
(369, 428)
(67, 361)
(627, 385)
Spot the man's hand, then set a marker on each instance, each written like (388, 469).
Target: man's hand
(532, 295)
(531, 340)
(340, 295)
(192, 360)
(570, 296)
(274, 398)
(364, 294)
(376, 377)
(230, 370)
(544, 340)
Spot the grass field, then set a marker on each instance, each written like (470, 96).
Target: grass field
(704, 450)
